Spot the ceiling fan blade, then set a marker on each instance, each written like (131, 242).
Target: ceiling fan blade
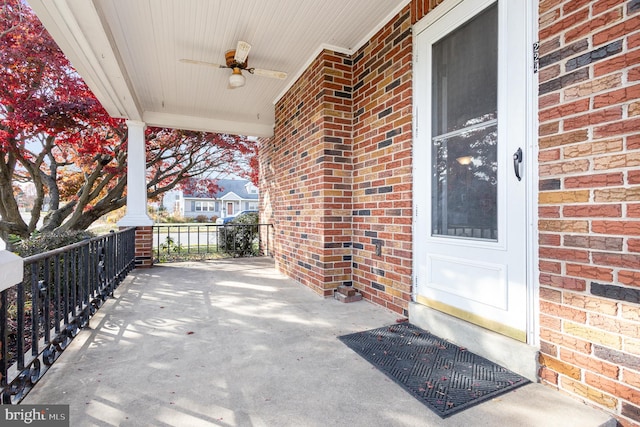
(242, 52)
(209, 64)
(268, 73)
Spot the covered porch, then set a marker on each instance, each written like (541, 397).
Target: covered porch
(235, 343)
(348, 182)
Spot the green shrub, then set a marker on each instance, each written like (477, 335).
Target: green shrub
(239, 235)
(43, 242)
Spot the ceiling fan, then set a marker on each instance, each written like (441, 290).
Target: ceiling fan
(236, 60)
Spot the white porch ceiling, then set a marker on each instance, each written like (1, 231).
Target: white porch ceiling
(128, 50)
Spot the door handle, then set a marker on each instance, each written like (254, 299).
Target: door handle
(517, 160)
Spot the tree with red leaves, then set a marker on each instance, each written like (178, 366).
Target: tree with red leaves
(56, 135)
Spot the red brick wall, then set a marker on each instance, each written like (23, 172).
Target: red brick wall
(589, 201)
(144, 247)
(419, 8)
(336, 176)
(382, 178)
(336, 182)
(306, 175)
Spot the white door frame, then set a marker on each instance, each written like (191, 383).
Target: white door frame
(529, 165)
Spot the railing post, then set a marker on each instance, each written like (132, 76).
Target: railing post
(35, 305)
(20, 330)
(57, 294)
(4, 353)
(73, 265)
(46, 301)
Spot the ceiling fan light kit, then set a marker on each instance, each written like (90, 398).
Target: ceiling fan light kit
(236, 79)
(237, 61)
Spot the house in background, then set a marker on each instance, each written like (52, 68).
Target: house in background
(470, 164)
(235, 195)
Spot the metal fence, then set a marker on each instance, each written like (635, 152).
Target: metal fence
(60, 292)
(175, 242)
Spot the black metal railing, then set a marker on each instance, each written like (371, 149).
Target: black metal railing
(60, 292)
(175, 242)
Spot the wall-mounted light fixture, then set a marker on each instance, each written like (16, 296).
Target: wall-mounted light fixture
(465, 160)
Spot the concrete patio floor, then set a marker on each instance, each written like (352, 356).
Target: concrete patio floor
(234, 343)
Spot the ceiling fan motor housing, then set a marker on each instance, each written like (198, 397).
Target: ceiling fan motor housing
(229, 57)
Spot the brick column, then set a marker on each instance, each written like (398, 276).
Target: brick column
(144, 246)
(306, 176)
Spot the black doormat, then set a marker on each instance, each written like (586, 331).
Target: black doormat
(443, 376)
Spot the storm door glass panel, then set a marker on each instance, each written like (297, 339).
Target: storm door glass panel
(464, 130)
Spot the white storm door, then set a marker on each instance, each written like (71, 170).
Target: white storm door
(470, 205)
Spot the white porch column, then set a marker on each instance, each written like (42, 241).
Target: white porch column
(136, 214)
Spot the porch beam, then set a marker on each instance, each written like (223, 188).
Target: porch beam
(79, 30)
(208, 124)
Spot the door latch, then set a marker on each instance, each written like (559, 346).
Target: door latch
(517, 160)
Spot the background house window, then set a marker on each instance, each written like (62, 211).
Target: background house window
(205, 206)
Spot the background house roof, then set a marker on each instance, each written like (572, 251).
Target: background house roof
(227, 186)
(128, 53)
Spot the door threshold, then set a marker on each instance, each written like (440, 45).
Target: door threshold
(512, 354)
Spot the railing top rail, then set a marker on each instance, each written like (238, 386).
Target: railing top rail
(202, 224)
(44, 255)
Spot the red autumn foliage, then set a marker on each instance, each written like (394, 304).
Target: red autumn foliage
(55, 134)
